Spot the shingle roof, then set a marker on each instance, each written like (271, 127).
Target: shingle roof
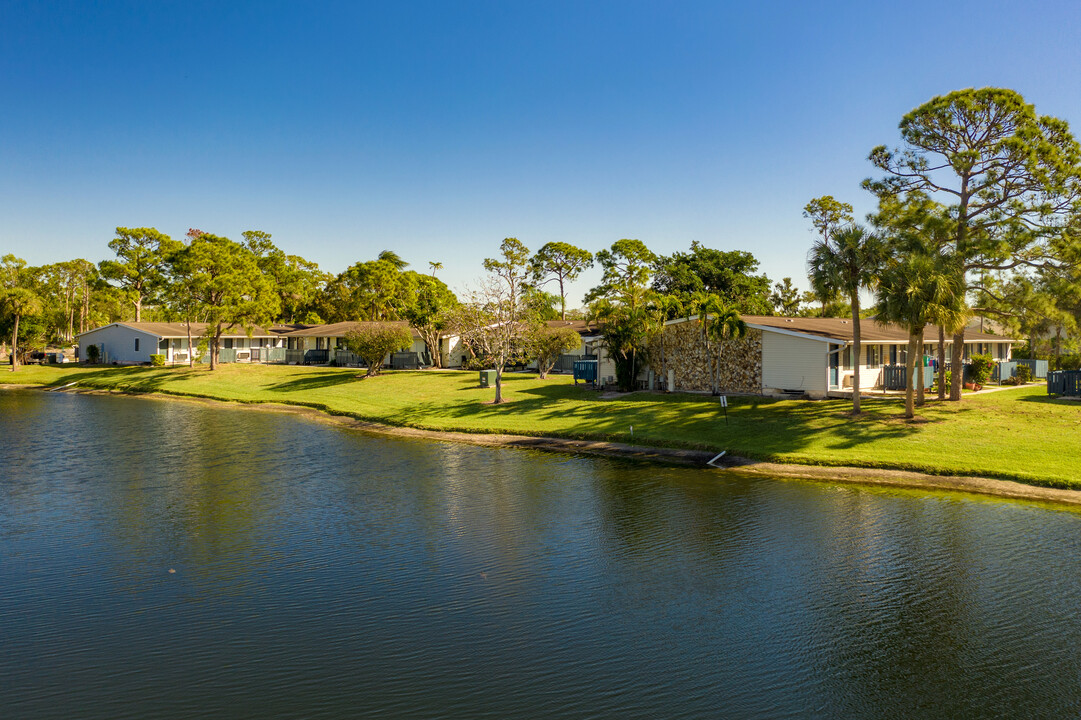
(341, 328)
(871, 331)
(179, 330)
(579, 326)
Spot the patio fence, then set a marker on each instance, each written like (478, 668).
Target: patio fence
(404, 361)
(893, 377)
(1038, 367)
(565, 363)
(1064, 382)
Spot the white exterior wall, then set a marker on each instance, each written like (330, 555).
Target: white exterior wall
(452, 351)
(794, 363)
(117, 343)
(870, 378)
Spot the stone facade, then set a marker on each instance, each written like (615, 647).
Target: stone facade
(741, 360)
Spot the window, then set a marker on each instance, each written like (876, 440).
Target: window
(228, 343)
(136, 344)
(874, 356)
(846, 358)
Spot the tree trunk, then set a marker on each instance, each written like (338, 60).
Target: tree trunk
(191, 350)
(499, 382)
(15, 345)
(957, 371)
(910, 365)
(855, 354)
(432, 338)
(562, 301)
(920, 400)
(138, 308)
(214, 342)
(941, 363)
(1058, 348)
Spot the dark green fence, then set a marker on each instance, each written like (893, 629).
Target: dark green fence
(404, 361)
(893, 377)
(566, 362)
(225, 355)
(585, 370)
(1064, 382)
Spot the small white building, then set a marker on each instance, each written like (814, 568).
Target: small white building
(328, 341)
(132, 343)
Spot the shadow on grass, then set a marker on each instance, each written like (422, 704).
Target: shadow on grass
(1051, 400)
(755, 426)
(316, 381)
(129, 378)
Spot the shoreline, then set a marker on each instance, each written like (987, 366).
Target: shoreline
(733, 465)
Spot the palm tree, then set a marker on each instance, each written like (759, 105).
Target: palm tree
(662, 308)
(718, 321)
(914, 289)
(844, 262)
(626, 331)
(435, 266)
(394, 259)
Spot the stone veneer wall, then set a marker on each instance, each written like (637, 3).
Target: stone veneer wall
(741, 360)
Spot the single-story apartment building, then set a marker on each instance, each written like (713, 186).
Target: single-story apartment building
(812, 356)
(129, 343)
(331, 338)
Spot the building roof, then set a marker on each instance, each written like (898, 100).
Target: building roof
(341, 328)
(871, 330)
(840, 329)
(579, 326)
(180, 330)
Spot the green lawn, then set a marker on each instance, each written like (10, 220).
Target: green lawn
(1019, 434)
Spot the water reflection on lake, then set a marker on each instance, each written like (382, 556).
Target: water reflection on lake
(324, 573)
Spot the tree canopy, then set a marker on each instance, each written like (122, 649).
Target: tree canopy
(224, 278)
(140, 265)
(562, 263)
(728, 274)
(1007, 179)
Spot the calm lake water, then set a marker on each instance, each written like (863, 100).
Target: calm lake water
(322, 573)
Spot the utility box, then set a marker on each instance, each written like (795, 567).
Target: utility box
(487, 378)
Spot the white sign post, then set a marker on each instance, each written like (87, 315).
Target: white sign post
(724, 404)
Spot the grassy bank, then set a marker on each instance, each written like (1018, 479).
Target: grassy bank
(1018, 434)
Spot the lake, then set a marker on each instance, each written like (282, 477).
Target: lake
(175, 560)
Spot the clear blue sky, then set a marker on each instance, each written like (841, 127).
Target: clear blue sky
(438, 128)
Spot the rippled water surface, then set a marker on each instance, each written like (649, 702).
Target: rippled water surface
(170, 560)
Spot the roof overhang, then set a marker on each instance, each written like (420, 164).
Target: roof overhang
(120, 324)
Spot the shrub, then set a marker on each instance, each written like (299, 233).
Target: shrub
(1069, 362)
(93, 353)
(945, 379)
(374, 342)
(475, 362)
(1023, 374)
(157, 360)
(982, 366)
(546, 344)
